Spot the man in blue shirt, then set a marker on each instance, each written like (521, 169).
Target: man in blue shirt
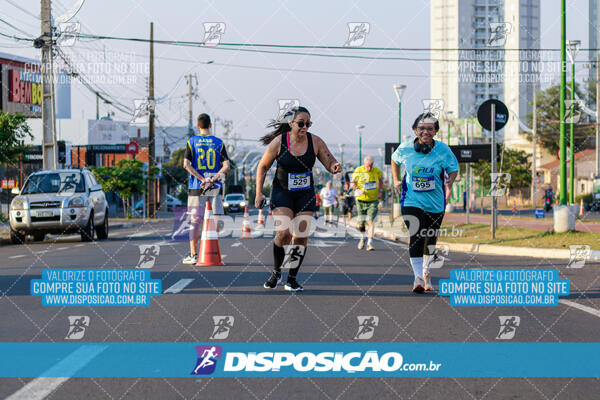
(430, 170)
(207, 162)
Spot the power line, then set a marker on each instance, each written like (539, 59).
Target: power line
(16, 28)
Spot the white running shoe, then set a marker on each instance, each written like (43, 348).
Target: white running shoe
(418, 285)
(427, 280)
(361, 243)
(191, 259)
(370, 246)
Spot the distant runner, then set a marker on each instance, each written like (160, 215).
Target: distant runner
(207, 162)
(367, 185)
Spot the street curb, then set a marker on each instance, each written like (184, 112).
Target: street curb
(491, 249)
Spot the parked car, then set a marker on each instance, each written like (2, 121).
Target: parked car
(59, 201)
(234, 202)
(171, 202)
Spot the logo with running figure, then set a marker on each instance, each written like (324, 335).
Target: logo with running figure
(213, 32)
(223, 324)
(293, 255)
(499, 31)
(358, 33)
(286, 105)
(434, 107)
(366, 326)
(148, 255)
(579, 253)
(438, 255)
(508, 326)
(207, 359)
(77, 326)
(499, 184)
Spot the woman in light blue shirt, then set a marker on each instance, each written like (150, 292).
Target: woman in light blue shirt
(430, 170)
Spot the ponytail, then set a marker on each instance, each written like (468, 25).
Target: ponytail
(282, 125)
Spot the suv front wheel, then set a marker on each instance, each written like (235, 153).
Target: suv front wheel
(87, 233)
(16, 237)
(102, 230)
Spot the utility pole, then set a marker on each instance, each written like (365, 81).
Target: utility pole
(97, 106)
(597, 115)
(151, 154)
(190, 110)
(563, 93)
(494, 174)
(49, 148)
(533, 164)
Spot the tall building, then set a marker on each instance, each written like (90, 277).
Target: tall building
(476, 57)
(594, 33)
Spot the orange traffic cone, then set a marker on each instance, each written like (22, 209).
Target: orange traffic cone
(246, 231)
(581, 209)
(210, 254)
(261, 218)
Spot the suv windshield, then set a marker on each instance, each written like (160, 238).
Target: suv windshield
(58, 182)
(234, 197)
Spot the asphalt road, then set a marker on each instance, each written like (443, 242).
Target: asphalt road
(340, 283)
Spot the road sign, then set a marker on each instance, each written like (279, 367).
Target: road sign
(133, 147)
(484, 114)
(474, 152)
(539, 214)
(568, 153)
(389, 150)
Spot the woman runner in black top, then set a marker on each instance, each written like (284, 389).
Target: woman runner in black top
(293, 190)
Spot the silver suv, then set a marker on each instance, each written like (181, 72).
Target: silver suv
(59, 201)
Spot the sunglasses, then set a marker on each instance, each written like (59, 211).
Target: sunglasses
(302, 123)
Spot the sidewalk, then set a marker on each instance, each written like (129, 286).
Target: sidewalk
(542, 224)
(395, 232)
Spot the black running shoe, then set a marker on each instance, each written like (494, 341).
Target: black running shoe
(274, 279)
(293, 286)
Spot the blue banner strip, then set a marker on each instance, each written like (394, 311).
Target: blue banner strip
(287, 359)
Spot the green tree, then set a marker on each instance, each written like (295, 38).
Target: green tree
(13, 131)
(517, 163)
(127, 178)
(548, 118)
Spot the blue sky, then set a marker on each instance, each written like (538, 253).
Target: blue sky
(338, 101)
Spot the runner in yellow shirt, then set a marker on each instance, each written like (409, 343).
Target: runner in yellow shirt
(367, 183)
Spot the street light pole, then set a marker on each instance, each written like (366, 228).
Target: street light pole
(341, 147)
(399, 90)
(359, 129)
(448, 117)
(572, 47)
(563, 92)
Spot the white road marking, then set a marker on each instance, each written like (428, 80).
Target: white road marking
(179, 286)
(79, 245)
(236, 244)
(62, 248)
(40, 252)
(40, 388)
(581, 307)
(18, 256)
(143, 233)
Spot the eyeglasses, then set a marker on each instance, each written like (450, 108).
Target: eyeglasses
(302, 123)
(423, 129)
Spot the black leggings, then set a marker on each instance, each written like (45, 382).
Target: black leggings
(425, 233)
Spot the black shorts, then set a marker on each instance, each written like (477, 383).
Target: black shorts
(297, 201)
